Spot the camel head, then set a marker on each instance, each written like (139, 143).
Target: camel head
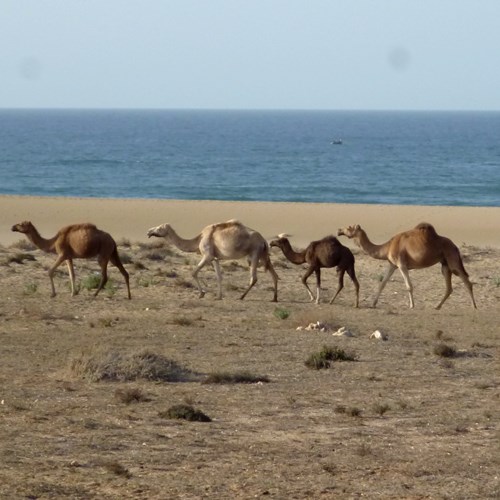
(280, 240)
(160, 231)
(349, 231)
(24, 227)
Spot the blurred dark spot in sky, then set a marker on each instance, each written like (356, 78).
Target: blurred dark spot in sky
(399, 58)
(30, 68)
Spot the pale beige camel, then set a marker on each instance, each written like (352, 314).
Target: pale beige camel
(222, 241)
(327, 252)
(417, 248)
(78, 241)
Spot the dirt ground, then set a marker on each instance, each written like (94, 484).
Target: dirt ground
(402, 421)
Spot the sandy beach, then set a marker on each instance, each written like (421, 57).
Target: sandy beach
(130, 218)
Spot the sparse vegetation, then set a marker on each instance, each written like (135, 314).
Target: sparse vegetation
(235, 378)
(117, 469)
(96, 365)
(131, 395)
(381, 408)
(185, 412)
(30, 289)
(182, 320)
(324, 358)
(445, 351)
(281, 313)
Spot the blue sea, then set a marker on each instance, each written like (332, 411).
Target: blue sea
(421, 158)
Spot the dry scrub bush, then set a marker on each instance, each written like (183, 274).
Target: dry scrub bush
(97, 364)
(185, 412)
(234, 378)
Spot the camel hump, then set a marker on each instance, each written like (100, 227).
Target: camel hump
(84, 226)
(428, 228)
(332, 239)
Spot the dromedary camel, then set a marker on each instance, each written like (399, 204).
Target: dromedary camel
(222, 241)
(414, 249)
(78, 241)
(327, 252)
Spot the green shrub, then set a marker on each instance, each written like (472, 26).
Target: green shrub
(281, 313)
(323, 358)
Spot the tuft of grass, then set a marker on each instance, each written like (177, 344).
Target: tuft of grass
(324, 358)
(281, 313)
(182, 283)
(97, 364)
(496, 281)
(353, 411)
(235, 378)
(19, 258)
(30, 289)
(381, 408)
(117, 469)
(185, 412)
(182, 320)
(23, 244)
(131, 395)
(90, 282)
(445, 351)
(364, 450)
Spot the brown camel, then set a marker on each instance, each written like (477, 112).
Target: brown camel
(328, 252)
(78, 241)
(414, 249)
(222, 241)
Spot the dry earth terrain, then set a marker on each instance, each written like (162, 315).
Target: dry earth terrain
(87, 383)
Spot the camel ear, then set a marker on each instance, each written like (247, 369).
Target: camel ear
(357, 227)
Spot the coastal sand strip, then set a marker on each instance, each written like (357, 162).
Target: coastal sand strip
(131, 218)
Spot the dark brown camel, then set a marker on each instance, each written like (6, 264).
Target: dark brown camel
(78, 241)
(328, 252)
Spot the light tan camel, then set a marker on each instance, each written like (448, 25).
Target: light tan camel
(222, 241)
(78, 241)
(417, 248)
(324, 253)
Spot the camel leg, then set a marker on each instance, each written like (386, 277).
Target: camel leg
(304, 282)
(274, 276)
(115, 260)
(218, 273)
(60, 259)
(340, 273)
(447, 280)
(390, 270)
(253, 277)
(71, 271)
(352, 274)
(103, 263)
(204, 260)
(409, 286)
(468, 285)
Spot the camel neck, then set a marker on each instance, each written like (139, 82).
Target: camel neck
(375, 251)
(42, 243)
(293, 256)
(189, 245)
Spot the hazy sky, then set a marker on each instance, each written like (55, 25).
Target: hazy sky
(277, 54)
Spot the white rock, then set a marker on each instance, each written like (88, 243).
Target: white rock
(377, 334)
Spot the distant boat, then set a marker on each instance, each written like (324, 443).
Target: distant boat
(336, 141)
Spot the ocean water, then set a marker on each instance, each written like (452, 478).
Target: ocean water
(422, 158)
